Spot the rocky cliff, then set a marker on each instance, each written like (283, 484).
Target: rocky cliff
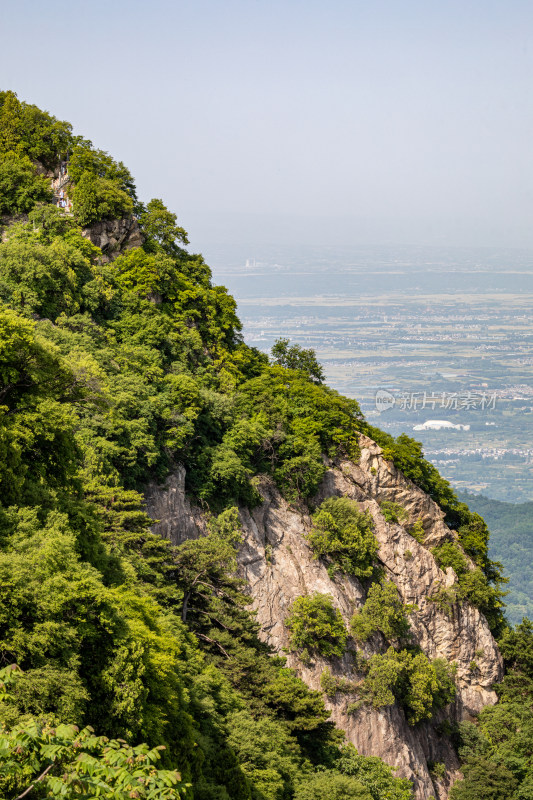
(115, 236)
(279, 566)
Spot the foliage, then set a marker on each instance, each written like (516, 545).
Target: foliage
(111, 375)
(97, 198)
(62, 761)
(417, 531)
(298, 358)
(448, 554)
(445, 597)
(332, 685)
(496, 753)
(160, 229)
(316, 625)
(333, 786)
(510, 542)
(377, 778)
(20, 187)
(43, 278)
(473, 533)
(345, 536)
(472, 585)
(410, 678)
(393, 512)
(28, 131)
(85, 159)
(383, 611)
(268, 754)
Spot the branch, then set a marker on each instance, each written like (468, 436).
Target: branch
(41, 776)
(214, 619)
(207, 639)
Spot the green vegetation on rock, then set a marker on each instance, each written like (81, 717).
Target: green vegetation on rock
(511, 530)
(411, 679)
(393, 512)
(383, 611)
(139, 655)
(496, 753)
(317, 626)
(473, 533)
(344, 536)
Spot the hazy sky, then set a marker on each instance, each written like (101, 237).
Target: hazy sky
(380, 121)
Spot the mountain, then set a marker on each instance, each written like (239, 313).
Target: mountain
(217, 580)
(511, 542)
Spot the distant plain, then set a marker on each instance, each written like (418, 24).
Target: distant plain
(453, 323)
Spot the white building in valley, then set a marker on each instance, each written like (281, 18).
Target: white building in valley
(439, 425)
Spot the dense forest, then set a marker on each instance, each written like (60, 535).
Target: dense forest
(511, 542)
(133, 668)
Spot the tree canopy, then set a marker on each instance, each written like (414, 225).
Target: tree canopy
(141, 672)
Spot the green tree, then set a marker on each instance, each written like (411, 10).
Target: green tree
(393, 512)
(333, 786)
(62, 761)
(345, 536)
(411, 679)
(449, 554)
(269, 756)
(96, 198)
(296, 357)
(160, 229)
(383, 611)
(376, 776)
(317, 626)
(20, 187)
(28, 131)
(85, 159)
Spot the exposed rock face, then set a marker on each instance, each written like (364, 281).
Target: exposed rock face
(176, 519)
(114, 236)
(279, 566)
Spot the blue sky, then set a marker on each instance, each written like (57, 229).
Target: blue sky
(351, 122)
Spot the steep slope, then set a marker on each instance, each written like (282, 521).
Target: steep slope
(511, 542)
(279, 566)
(125, 386)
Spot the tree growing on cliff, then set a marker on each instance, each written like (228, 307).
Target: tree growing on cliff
(344, 536)
(383, 611)
(410, 678)
(295, 357)
(317, 626)
(161, 231)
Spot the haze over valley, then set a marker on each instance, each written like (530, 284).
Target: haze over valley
(445, 333)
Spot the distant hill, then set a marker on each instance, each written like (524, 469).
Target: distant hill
(511, 542)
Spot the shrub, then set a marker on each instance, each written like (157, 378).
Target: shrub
(473, 585)
(376, 776)
(20, 186)
(97, 198)
(420, 685)
(450, 555)
(296, 357)
(416, 530)
(394, 512)
(444, 598)
(315, 624)
(330, 684)
(437, 770)
(333, 786)
(383, 611)
(345, 535)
